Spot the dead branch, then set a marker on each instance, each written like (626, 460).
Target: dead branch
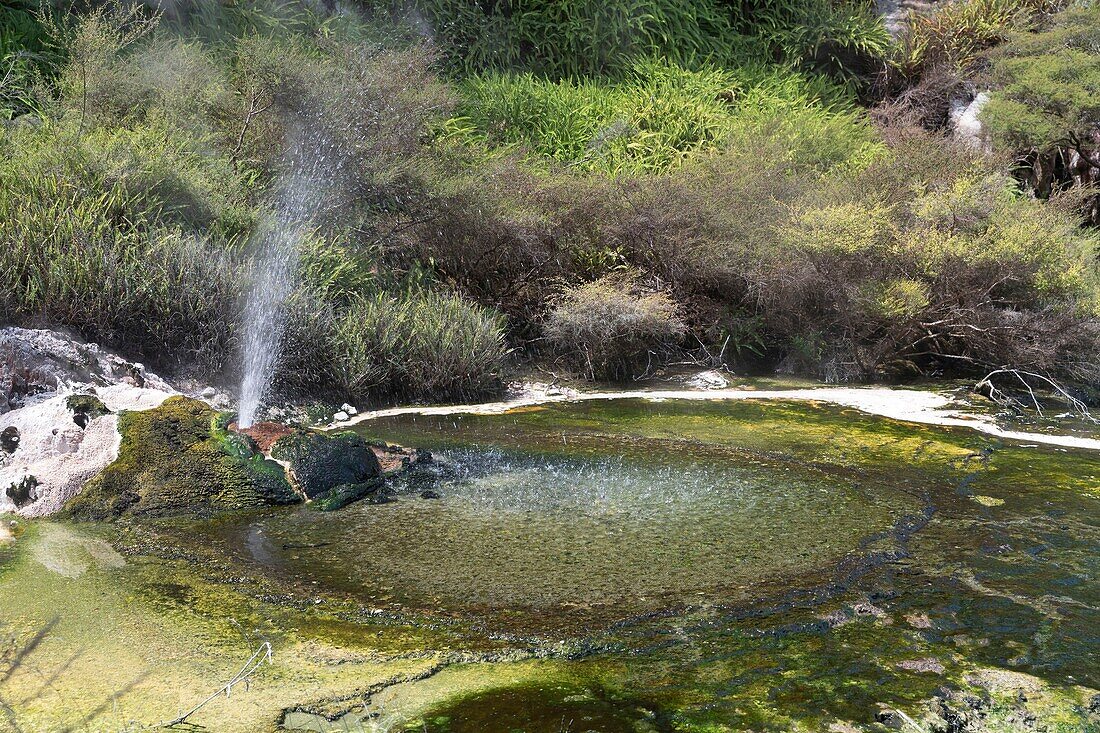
(244, 674)
(1004, 398)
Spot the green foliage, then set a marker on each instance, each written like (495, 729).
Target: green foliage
(961, 268)
(178, 459)
(657, 118)
(593, 38)
(86, 242)
(613, 327)
(1049, 85)
(25, 55)
(577, 38)
(419, 346)
(955, 33)
(844, 39)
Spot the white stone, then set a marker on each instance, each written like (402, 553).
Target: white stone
(61, 456)
(965, 123)
(341, 416)
(348, 409)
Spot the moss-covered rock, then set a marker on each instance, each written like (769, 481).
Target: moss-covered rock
(180, 458)
(331, 470)
(85, 408)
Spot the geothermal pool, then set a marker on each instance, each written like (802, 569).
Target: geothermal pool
(632, 565)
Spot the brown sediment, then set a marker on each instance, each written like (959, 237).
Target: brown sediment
(265, 434)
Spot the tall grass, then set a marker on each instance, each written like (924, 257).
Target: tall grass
(655, 119)
(24, 56)
(575, 38)
(956, 32)
(420, 345)
(81, 248)
(572, 39)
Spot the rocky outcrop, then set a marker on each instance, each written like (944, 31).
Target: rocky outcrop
(181, 458)
(35, 363)
(60, 443)
(59, 399)
(331, 470)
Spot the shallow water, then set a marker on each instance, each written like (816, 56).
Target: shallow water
(765, 566)
(539, 541)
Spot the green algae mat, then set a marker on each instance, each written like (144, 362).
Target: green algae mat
(610, 566)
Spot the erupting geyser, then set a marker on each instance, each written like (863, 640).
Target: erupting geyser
(275, 271)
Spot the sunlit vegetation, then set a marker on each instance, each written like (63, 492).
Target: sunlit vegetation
(494, 169)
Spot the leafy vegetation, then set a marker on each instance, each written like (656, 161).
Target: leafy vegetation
(656, 118)
(956, 33)
(613, 326)
(483, 195)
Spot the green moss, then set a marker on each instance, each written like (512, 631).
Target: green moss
(331, 470)
(87, 405)
(178, 458)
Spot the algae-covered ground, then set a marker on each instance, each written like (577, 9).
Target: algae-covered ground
(614, 566)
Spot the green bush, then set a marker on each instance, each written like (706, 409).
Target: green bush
(955, 33)
(419, 346)
(845, 39)
(576, 38)
(87, 242)
(25, 56)
(657, 117)
(605, 38)
(1048, 85)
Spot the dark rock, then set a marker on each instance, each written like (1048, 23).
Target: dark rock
(9, 439)
(1094, 704)
(340, 496)
(85, 408)
(429, 494)
(23, 492)
(332, 470)
(180, 458)
(888, 718)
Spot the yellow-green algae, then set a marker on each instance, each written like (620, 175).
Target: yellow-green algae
(176, 458)
(139, 642)
(957, 598)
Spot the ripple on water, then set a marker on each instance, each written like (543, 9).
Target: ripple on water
(534, 537)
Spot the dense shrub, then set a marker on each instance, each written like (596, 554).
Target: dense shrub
(25, 56)
(419, 346)
(87, 240)
(846, 39)
(1045, 110)
(955, 33)
(963, 276)
(613, 328)
(589, 38)
(773, 223)
(656, 118)
(574, 38)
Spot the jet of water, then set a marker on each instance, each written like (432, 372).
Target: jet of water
(275, 270)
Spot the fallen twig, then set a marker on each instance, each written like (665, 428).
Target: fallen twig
(261, 655)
